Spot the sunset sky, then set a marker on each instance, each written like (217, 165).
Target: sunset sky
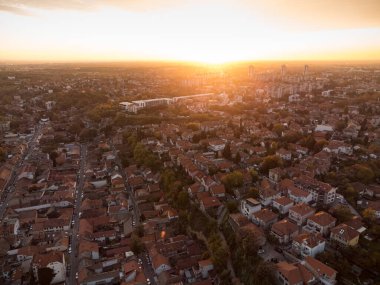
(209, 31)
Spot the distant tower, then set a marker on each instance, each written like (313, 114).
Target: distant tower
(305, 70)
(251, 72)
(283, 70)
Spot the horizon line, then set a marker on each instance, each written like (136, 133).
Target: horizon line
(40, 62)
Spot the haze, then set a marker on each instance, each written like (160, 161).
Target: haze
(203, 31)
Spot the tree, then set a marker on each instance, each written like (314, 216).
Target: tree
(227, 151)
(232, 206)
(88, 134)
(369, 214)
(253, 193)
(137, 246)
(183, 200)
(232, 180)
(120, 120)
(340, 125)
(362, 173)
(318, 146)
(193, 126)
(271, 161)
(278, 128)
(343, 214)
(53, 156)
(45, 275)
(254, 175)
(76, 127)
(237, 158)
(308, 142)
(3, 154)
(139, 230)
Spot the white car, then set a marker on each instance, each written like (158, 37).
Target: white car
(148, 281)
(76, 275)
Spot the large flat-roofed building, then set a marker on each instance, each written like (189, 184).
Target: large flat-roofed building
(135, 106)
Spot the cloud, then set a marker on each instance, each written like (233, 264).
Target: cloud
(22, 7)
(14, 10)
(319, 14)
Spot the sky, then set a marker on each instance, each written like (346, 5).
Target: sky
(210, 31)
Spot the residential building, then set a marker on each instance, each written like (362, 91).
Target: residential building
(300, 212)
(324, 274)
(282, 204)
(293, 274)
(298, 195)
(249, 206)
(284, 231)
(308, 244)
(321, 222)
(344, 235)
(322, 193)
(264, 218)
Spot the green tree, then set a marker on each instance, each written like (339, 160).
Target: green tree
(183, 200)
(233, 180)
(343, 214)
(362, 173)
(254, 175)
(271, 161)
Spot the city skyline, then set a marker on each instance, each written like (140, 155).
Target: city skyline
(200, 31)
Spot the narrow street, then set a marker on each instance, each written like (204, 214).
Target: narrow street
(146, 264)
(201, 236)
(10, 187)
(136, 212)
(74, 261)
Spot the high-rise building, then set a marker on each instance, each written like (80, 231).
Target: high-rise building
(305, 70)
(251, 72)
(283, 71)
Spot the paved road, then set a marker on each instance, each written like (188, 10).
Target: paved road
(136, 212)
(10, 186)
(74, 262)
(147, 266)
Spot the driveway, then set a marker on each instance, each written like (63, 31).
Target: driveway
(269, 253)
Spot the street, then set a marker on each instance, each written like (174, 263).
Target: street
(74, 261)
(136, 213)
(10, 186)
(147, 266)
